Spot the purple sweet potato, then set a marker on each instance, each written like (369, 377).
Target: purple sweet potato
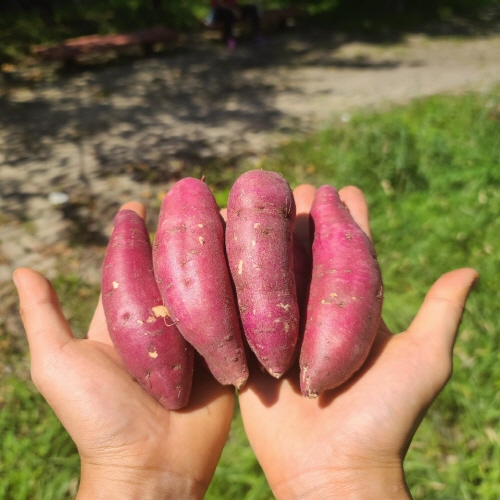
(149, 344)
(259, 243)
(345, 297)
(191, 269)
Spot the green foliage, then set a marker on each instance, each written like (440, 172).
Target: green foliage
(407, 9)
(389, 19)
(21, 29)
(39, 460)
(238, 474)
(77, 298)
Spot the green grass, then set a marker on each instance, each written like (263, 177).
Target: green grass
(431, 173)
(238, 475)
(38, 460)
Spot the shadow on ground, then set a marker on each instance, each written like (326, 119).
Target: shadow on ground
(127, 128)
(151, 117)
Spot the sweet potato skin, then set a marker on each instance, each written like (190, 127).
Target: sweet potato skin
(345, 297)
(149, 344)
(259, 244)
(193, 277)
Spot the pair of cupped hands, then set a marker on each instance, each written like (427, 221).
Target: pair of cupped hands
(348, 443)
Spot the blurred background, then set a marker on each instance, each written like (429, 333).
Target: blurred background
(398, 97)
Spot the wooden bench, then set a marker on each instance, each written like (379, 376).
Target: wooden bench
(69, 51)
(271, 18)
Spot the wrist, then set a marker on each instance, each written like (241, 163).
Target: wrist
(349, 483)
(108, 482)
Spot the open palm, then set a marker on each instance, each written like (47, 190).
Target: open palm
(352, 440)
(125, 437)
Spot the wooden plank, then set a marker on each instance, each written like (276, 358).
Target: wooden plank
(72, 48)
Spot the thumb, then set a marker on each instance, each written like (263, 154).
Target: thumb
(436, 324)
(46, 327)
(355, 201)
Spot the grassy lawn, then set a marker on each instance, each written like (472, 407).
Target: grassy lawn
(431, 173)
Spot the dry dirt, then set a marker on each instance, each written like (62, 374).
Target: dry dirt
(102, 134)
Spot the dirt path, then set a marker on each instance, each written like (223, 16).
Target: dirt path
(98, 134)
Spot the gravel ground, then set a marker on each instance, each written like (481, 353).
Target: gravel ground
(104, 135)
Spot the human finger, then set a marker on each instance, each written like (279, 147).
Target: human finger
(422, 356)
(433, 331)
(439, 317)
(46, 327)
(355, 201)
(223, 213)
(98, 329)
(136, 206)
(303, 195)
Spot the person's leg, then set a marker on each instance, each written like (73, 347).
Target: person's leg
(251, 13)
(227, 18)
